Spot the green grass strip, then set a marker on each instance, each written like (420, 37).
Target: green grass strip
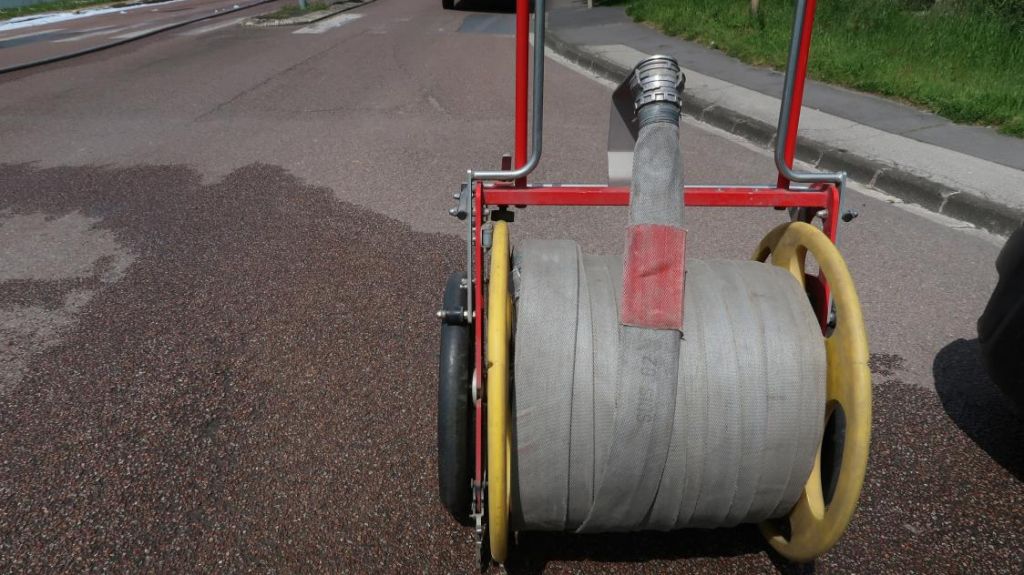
(64, 6)
(962, 59)
(293, 10)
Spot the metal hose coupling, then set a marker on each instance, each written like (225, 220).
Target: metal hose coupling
(657, 87)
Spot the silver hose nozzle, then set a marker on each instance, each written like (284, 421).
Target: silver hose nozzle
(657, 79)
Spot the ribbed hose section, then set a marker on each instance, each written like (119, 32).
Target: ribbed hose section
(741, 433)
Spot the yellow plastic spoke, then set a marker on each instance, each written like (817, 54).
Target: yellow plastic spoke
(815, 527)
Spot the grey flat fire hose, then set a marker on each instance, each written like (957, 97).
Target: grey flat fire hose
(645, 393)
(623, 427)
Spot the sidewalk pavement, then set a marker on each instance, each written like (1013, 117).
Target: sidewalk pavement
(333, 7)
(966, 172)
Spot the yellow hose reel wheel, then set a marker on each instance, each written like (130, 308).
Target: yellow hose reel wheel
(814, 525)
(499, 329)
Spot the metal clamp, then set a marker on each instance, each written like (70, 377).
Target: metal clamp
(656, 79)
(477, 514)
(464, 198)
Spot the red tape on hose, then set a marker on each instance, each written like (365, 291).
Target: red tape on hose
(653, 277)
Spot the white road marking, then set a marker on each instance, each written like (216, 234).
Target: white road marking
(30, 34)
(328, 24)
(139, 33)
(90, 34)
(211, 27)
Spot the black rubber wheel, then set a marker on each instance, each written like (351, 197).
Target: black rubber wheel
(453, 406)
(448, 4)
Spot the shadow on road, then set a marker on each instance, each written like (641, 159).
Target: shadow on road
(977, 406)
(535, 550)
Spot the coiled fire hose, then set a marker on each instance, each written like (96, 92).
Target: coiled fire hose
(622, 427)
(623, 417)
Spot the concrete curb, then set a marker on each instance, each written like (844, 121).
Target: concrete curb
(260, 22)
(893, 180)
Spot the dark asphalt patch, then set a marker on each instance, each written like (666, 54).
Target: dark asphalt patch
(499, 24)
(885, 364)
(256, 393)
(46, 294)
(933, 501)
(22, 40)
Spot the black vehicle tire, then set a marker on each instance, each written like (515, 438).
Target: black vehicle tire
(448, 4)
(453, 407)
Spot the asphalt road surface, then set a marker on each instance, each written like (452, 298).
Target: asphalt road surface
(45, 36)
(219, 258)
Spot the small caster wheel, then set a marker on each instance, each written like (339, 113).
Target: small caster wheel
(453, 404)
